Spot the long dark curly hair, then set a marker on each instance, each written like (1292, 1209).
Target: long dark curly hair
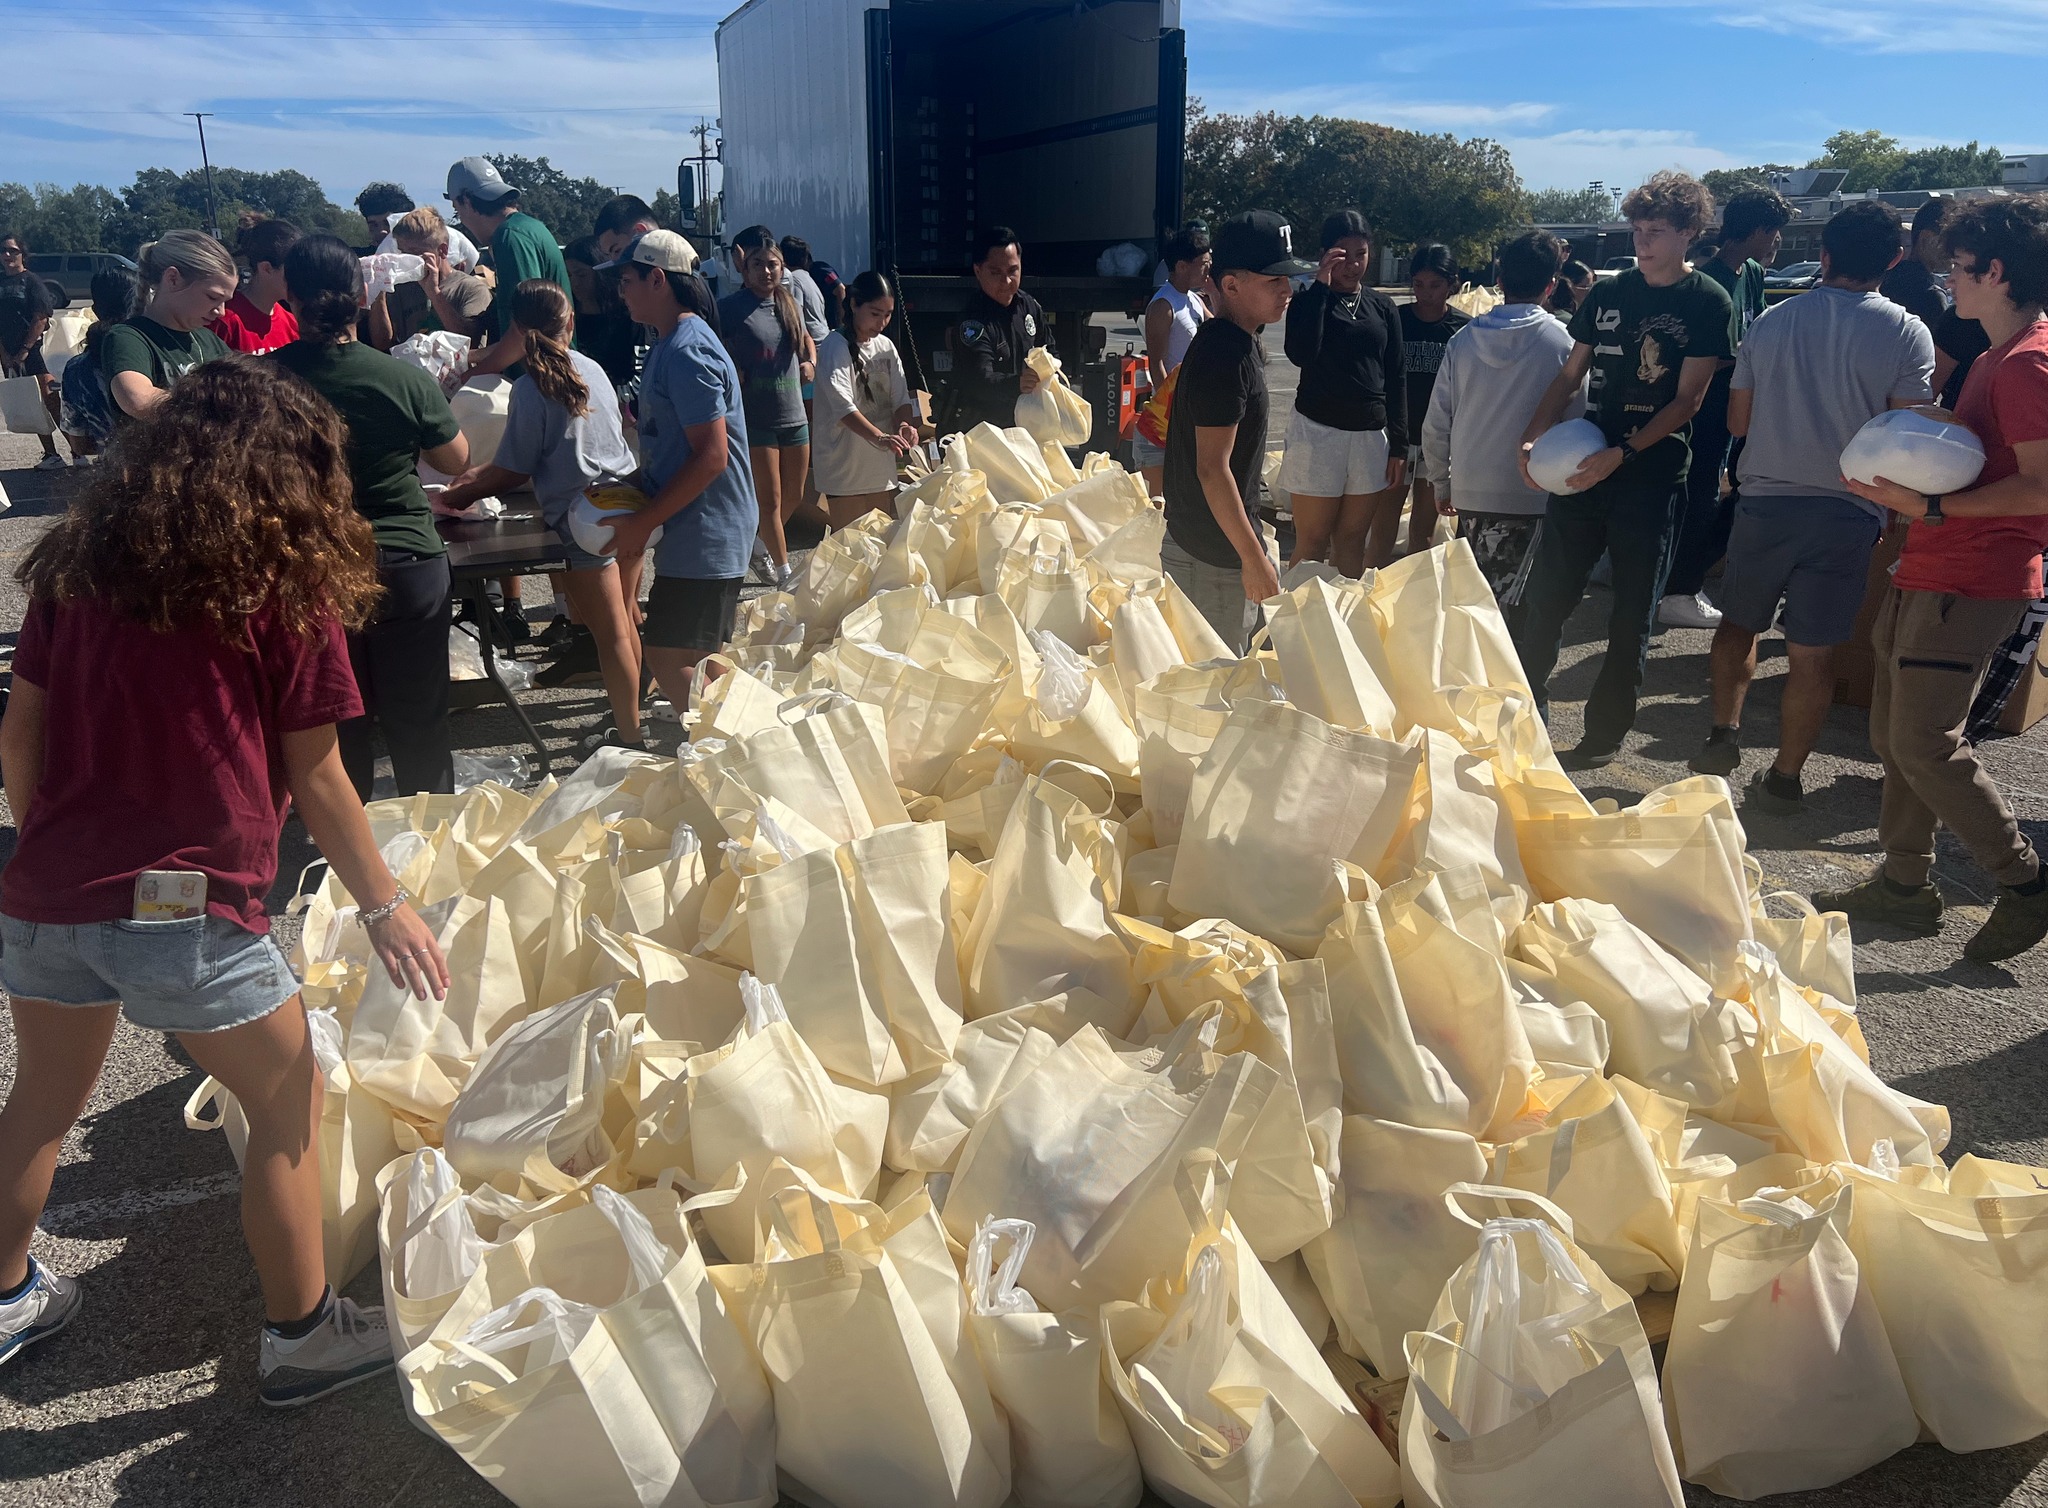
(233, 497)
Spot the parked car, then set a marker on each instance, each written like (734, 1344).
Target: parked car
(1798, 275)
(72, 270)
(1614, 267)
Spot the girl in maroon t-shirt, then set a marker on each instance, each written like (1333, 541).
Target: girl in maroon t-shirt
(176, 685)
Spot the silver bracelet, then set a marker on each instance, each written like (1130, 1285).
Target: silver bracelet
(383, 913)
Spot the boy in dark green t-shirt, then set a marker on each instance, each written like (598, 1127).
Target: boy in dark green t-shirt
(521, 248)
(1645, 344)
(1752, 226)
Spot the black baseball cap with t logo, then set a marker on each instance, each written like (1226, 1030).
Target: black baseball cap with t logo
(1257, 241)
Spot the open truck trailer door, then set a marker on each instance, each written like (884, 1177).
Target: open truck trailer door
(1063, 121)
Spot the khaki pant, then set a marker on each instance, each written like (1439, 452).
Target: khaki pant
(1933, 649)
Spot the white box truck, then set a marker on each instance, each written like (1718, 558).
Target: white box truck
(886, 132)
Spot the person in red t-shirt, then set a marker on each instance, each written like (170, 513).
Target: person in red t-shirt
(1971, 566)
(256, 319)
(178, 679)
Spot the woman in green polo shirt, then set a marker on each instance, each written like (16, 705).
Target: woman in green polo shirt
(396, 414)
(188, 278)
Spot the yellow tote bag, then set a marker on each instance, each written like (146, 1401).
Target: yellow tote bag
(1672, 864)
(583, 1365)
(1093, 1148)
(1961, 1280)
(763, 1097)
(1042, 923)
(1228, 1401)
(1779, 1376)
(1427, 1029)
(1592, 1160)
(416, 1055)
(1279, 804)
(1069, 1447)
(1394, 1242)
(1533, 1383)
(1442, 632)
(859, 1319)
(1331, 659)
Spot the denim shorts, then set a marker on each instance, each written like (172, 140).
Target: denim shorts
(199, 974)
(1144, 453)
(579, 558)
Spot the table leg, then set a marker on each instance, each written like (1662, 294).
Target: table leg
(478, 595)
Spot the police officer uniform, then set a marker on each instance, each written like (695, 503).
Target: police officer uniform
(988, 346)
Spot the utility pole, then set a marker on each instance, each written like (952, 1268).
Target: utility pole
(212, 211)
(702, 131)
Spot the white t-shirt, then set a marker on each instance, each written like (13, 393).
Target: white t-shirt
(1188, 313)
(843, 464)
(462, 252)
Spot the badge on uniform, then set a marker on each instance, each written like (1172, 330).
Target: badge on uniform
(169, 895)
(1031, 327)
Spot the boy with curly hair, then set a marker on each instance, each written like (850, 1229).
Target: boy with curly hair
(1970, 568)
(1646, 344)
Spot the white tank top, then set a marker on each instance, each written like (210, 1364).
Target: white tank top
(1188, 313)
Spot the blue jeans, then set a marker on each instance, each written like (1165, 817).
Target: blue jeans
(1703, 532)
(1634, 524)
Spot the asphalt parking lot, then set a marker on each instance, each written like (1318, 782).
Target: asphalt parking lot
(149, 1399)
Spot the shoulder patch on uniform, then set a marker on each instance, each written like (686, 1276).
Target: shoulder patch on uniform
(971, 330)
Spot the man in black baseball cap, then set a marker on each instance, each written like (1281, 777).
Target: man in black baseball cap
(1216, 437)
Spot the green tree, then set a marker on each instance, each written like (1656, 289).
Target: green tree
(567, 206)
(1725, 183)
(1559, 206)
(1872, 158)
(1412, 187)
(1968, 166)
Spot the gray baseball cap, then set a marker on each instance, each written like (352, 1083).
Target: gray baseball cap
(476, 177)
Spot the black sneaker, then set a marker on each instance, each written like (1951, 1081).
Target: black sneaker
(2016, 924)
(1720, 755)
(558, 632)
(575, 664)
(1877, 899)
(1766, 793)
(513, 622)
(1589, 756)
(609, 737)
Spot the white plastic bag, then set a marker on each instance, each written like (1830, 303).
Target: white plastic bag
(441, 354)
(385, 270)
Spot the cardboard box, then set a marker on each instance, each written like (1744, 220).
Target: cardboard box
(2028, 703)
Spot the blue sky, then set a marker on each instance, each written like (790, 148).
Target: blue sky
(1577, 89)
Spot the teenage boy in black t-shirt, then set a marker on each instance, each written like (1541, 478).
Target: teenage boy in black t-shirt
(1216, 445)
(1651, 340)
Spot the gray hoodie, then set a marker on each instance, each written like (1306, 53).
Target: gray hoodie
(1494, 373)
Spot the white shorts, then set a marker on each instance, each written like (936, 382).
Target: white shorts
(1326, 462)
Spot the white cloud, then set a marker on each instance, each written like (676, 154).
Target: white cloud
(1461, 116)
(1889, 26)
(363, 107)
(1571, 159)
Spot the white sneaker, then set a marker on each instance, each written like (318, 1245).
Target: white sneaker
(785, 576)
(351, 1343)
(762, 568)
(52, 462)
(47, 1306)
(1688, 612)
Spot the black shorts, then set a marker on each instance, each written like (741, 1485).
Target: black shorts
(32, 366)
(684, 613)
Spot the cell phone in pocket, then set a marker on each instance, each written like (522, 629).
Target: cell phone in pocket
(169, 895)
